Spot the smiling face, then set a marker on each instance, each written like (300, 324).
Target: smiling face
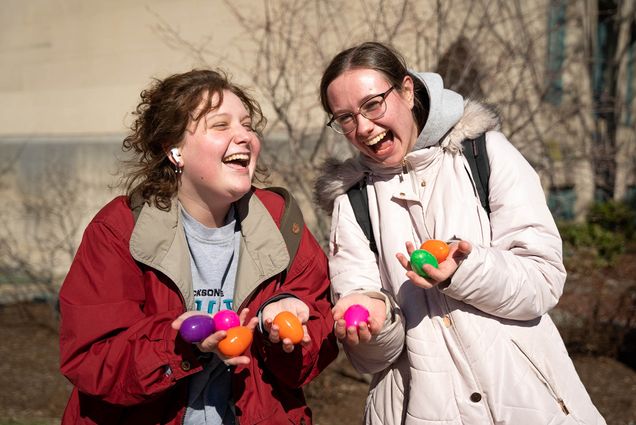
(218, 154)
(386, 139)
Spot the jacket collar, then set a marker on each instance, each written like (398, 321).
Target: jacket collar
(158, 241)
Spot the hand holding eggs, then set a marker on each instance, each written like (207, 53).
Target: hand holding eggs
(431, 252)
(195, 329)
(289, 326)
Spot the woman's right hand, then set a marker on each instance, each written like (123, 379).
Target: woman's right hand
(364, 332)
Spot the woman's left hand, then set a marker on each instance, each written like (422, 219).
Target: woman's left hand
(210, 344)
(294, 306)
(458, 252)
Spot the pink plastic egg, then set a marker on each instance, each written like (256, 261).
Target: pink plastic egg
(196, 328)
(356, 314)
(226, 319)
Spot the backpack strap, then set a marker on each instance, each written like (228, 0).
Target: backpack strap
(291, 222)
(477, 157)
(359, 201)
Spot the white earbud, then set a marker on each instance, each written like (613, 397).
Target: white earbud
(176, 155)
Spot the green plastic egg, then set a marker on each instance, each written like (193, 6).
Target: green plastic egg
(419, 257)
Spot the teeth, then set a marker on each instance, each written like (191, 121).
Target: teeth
(376, 139)
(237, 157)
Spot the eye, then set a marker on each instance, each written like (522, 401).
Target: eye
(372, 104)
(248, 126)
(219, 125)
(344, 119)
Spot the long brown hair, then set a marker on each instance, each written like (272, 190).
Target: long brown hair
(162, 116)
(378, 57)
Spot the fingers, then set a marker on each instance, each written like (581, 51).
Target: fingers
(303, 316)
(251, 324)
(374, 325)
(420, 281)
(286, 343)
(464, 248)
(274, 334)
(235, 361)
(243, 315)
(362, 333)
(403, 261)
(338, 311)
(176, 323)
(210, 344)
(340, 329)
(352, 335)
(306, 338)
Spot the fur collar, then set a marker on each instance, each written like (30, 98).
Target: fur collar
(337, 176)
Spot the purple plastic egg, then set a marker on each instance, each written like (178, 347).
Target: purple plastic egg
(226, 319)
(197, 328)
(356, 314)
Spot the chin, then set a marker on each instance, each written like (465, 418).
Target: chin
(389, 161)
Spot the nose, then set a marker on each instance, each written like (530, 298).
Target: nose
(365, 126)
(243, 134)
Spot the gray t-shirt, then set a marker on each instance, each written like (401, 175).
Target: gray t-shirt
(214, 260)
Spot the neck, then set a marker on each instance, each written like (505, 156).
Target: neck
(208, 214)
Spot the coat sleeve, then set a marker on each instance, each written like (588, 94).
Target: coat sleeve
(520, 276)
(109, 348)
(307, 280)
(354, 268)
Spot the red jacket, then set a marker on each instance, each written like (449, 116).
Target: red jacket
(129, 280)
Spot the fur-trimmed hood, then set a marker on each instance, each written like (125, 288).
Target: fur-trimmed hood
(337, 176)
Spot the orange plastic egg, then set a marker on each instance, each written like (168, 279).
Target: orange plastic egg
(289, 326)
(236, 342)
(438, 248)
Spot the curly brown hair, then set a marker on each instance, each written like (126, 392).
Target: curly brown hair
(162, 117)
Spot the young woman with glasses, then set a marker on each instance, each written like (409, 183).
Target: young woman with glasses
(473, 343)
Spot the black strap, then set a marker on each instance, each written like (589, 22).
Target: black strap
(360, 203)
(477, 157)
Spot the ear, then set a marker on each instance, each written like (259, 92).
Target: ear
(408, 91)
(174, 156)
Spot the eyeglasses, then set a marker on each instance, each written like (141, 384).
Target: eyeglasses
(372, 109)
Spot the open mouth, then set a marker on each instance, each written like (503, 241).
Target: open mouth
(376, 139)
(379, 141)
(240, 159)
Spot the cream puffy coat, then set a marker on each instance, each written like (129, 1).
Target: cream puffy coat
(480, 349)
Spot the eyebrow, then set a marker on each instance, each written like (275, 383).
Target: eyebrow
(211, 115)
(364, 100)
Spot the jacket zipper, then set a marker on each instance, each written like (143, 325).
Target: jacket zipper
(544, 379)
(461, 346)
